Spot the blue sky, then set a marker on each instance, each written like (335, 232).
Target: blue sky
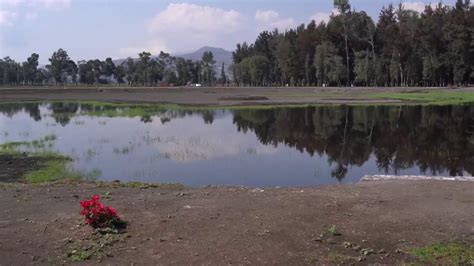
(90, 29)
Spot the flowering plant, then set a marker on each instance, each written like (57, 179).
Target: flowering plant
(100, 216)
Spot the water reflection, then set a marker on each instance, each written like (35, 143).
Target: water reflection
(255, 147)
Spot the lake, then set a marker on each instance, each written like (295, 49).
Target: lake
(262, 147)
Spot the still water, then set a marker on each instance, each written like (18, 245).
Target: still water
(254, 147)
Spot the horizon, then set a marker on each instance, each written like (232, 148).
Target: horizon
(173, 27)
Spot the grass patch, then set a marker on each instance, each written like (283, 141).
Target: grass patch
(52, 169)
(132, 110)
(338, 259)
(433, 98)
(95, 249)
(445, 254)
(51, 166)
(333, 231)
(39, 144)
(6, 185)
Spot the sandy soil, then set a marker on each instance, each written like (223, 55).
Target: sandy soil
(216, 226)
(205, 96)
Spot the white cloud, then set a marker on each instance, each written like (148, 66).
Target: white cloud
(270, 19)
(418, 6)
(7, 17)
(321, 17)
(52, 4)
(266, 16)
(31, 15)
(185, 27)
(324, 16)
(12, 10)
(195, 19)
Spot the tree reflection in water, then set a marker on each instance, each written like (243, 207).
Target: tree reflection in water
(434, 138)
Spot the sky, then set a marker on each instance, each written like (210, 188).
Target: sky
(90, 29)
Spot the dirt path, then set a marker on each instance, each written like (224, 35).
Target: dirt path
(216, 226)
(206, 96)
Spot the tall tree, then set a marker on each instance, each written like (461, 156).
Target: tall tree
(59, 64)
(223, 75)
(30, 67)
(344, 9)
(208, 68)
(329, 66)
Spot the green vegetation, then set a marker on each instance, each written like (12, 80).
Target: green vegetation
(93, 249)
(15, 146)
(333, 231)
(339, 259)
(353, 49)
(402, 47)
(51, 166)
(445, 254)
(433, 98)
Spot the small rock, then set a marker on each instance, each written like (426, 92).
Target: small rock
(264, 232)
(367, 251)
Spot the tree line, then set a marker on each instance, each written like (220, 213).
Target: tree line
(143, 71)
(404, 48)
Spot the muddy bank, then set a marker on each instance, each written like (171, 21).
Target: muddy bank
(209, 96)
(371, 222)
(14, 167)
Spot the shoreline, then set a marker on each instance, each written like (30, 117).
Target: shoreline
(242, 96)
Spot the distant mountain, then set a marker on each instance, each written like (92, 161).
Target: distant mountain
(220, 55)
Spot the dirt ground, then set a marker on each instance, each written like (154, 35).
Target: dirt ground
(206, 96)
(372, 222)
(12, 168)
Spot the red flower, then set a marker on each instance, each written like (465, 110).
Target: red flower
(99, 216)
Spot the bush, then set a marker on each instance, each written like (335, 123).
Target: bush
(100, 216)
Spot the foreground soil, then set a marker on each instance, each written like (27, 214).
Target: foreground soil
(370, 222)
(208, 96)
(13, 167)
